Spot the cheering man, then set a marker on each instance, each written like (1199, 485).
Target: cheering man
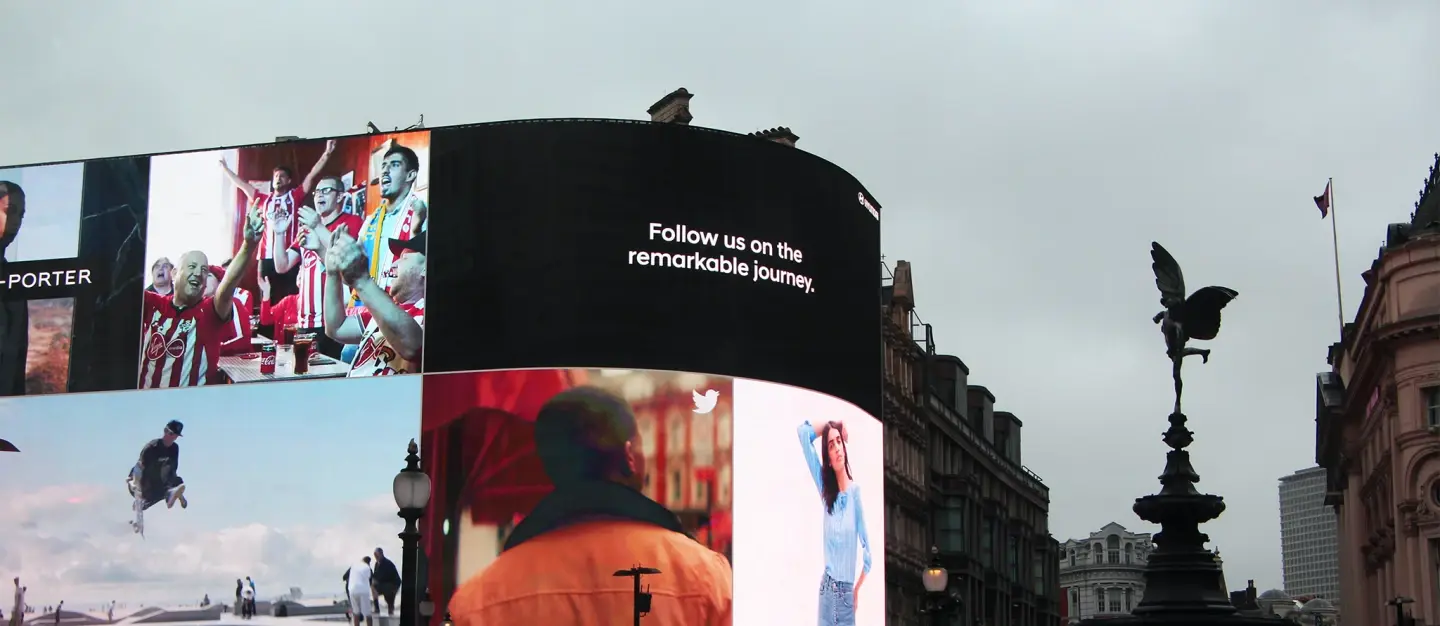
(308, 252)
(183, 331)
(390, 327)
(400, 216)
(14, 314)
(161, 276)
(279, 207)
(154, 476)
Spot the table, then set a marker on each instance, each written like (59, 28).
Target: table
(245, 368)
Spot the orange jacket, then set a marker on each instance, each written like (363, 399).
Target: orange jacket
(559, 565)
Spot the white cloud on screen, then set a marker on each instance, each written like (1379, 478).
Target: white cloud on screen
(71, 543)
(51, 229)
(192, 207)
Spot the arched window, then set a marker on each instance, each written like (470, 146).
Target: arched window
(1129, 552)
(1072, 557)
(1097, 554)
(1113, 541)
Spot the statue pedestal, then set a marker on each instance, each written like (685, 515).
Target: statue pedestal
(1183, 583)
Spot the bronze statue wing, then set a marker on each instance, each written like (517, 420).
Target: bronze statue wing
(1201, 314)
(1167, 274)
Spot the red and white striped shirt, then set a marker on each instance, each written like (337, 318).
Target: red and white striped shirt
(237, 333)
(310, 305)
(181, 346)
(402, 223)
(376, 357)
(280, 206)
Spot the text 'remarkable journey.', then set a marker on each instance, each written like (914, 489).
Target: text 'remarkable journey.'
(756, 259)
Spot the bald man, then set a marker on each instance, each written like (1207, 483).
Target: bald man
(183, 331)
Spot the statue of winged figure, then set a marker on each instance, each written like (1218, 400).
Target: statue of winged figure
(1185, 318)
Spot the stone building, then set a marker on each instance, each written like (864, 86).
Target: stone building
(1377, 423)
(956, 481)
(1103, 575)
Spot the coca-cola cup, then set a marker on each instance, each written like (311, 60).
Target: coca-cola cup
(301, 350)
(267, 359)
(288, 335)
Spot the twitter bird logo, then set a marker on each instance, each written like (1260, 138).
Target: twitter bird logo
(705, 403)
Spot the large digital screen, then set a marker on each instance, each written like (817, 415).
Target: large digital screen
(644, 277)
(550, 481)
(71, 237)
(240, 246)
(142, 509)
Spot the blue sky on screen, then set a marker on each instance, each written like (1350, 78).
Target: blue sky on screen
(293, 469)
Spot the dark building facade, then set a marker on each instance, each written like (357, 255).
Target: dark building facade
(955, 480)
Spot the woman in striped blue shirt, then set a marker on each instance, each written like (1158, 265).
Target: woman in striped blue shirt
(844, 526)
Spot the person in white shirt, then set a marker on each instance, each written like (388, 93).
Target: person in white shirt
(17, 615)
(362, 592)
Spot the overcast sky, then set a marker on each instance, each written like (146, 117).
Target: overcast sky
(1025, 153)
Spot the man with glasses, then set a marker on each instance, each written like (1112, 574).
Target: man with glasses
(308, 253)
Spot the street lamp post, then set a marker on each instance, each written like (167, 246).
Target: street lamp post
(1399, 603)
(412, 493)
(936, 579)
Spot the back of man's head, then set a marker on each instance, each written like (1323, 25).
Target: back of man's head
(581, 434)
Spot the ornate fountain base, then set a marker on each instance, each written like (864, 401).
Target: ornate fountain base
(1183, 583)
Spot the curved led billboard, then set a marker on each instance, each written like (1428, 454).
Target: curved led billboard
(672, 327)
(549, 484)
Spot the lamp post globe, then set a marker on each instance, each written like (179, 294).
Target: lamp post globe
(412, 486)
(935, 577)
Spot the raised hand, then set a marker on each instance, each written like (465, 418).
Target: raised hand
(254, 222)
(330, 147)
(309, 217)
(310, 240)
(346, 257)
(264, 287)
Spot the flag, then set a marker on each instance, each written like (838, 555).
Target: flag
(1323, 201)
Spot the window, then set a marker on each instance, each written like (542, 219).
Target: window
(1099, 600)
(1432, 406)
(1072, 554)
(950, 526)
(677, 488)
(1128, 596)
(1129, 552)
(1115, 604)
(1113, 541)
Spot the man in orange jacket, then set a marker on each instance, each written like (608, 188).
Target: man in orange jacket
(558, 565)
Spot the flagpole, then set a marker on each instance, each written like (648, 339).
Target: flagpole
(1335, 241)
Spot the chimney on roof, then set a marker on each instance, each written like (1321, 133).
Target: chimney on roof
(779, 134)
(674, 108)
